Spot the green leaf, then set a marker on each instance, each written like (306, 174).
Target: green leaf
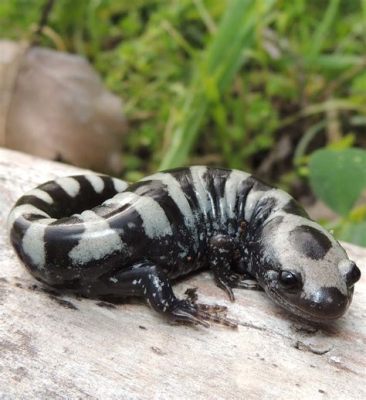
(334, 61)
(359, 84)
(353, 233)
(338, 177)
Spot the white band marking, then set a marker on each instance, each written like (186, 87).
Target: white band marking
(70, 185)
(96, 182)
(154, 219)
(33, 242)
(40, 194)
(119, 185)
(97, 241)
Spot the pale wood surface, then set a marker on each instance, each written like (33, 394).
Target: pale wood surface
(62, 347)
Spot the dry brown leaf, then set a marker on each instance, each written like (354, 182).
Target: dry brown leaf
(54, 105)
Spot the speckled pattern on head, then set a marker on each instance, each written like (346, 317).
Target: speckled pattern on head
(101, 237)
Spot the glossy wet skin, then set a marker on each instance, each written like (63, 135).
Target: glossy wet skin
(97, 236)
(305, 270)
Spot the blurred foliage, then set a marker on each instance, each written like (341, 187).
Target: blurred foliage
(338, 177)
(258, 92)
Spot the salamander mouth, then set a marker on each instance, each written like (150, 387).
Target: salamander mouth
(300, 312)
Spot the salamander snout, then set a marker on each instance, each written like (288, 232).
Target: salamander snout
(328, 303)
(332, 302)
(332, 299)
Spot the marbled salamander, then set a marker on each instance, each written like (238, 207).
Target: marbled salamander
(100, 237)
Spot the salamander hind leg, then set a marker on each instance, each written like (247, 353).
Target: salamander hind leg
(149, 281)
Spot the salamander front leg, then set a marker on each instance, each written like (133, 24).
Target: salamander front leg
(221, 250)
(149, 281)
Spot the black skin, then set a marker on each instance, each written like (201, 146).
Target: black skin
(221, 251)
(229, 246)
(149, 276)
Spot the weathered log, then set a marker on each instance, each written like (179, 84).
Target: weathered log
(63, 347)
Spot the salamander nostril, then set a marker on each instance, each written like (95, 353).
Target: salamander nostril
(353, 275)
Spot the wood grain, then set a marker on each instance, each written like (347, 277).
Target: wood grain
(62, 347)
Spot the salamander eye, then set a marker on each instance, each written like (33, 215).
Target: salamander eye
(289, 279)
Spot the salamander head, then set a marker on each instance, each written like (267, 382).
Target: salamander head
(304, 269)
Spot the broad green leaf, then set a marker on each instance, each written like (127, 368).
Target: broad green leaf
(353, 233)
(338, 177)
(359, 84)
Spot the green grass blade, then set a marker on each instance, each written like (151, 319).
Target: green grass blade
(219, 63)
(324, 28)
